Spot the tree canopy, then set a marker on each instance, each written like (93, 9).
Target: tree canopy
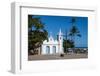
(36, 32)
(73, 32)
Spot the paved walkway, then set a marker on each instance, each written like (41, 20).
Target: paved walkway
(53, 57)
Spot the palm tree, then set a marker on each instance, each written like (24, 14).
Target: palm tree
(74, 31)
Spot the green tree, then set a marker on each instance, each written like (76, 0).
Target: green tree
(36, 33)
(74, 31)
(67, 44)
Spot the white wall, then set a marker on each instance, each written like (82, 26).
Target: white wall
(5, 42)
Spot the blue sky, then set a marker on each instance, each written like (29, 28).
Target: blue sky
(54, 23)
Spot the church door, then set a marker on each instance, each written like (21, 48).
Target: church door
(54, 49)
(47, 50)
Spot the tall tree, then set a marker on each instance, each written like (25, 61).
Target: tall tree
(36, 33)
(74, 31)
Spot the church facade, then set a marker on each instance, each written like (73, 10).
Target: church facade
(53, 46)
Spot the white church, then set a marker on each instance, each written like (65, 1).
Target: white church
(52, 46)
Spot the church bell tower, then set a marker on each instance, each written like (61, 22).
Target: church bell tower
(60, 41)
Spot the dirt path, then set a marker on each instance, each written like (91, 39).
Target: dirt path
(53, 57)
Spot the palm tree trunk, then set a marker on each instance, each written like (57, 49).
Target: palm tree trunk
(74, 44)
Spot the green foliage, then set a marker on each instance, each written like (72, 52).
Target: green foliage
(73, 20)
(37, 35)
(72, 33)
(67, 44)
(74, 30)
(35, 21)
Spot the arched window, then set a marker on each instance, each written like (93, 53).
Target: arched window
(54, 49)
(47, 50)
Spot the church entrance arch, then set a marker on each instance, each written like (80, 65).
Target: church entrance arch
(48, 49)
(54, 49)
